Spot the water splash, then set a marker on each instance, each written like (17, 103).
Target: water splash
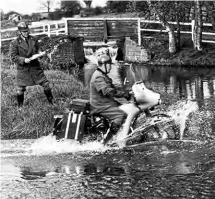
(180, 113)
(49, 144)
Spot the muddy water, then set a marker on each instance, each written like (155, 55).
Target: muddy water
(45, 168)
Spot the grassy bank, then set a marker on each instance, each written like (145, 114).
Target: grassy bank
(35, 118)
(186, 56)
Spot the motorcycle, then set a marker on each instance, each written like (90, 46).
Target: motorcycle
(79, 124)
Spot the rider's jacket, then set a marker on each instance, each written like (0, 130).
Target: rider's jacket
(103, 92)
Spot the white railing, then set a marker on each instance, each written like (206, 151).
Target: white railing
(191, 24)
(49, 29)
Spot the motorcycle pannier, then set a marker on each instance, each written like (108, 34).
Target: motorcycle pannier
(79, 105)
(70, 125)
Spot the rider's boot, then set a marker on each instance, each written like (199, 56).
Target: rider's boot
(49, 96)
(111, 132)
(20, 99)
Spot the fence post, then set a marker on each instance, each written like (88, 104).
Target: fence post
(192, 28)
(49, 30)
(105, 32)
(139, 31)
(44, 28)
(66, 26)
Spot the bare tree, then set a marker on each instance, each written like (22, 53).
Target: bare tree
(117, 6)
(180, 13)
(211, 11)
(70, 8)
(160, 9)
(1, 14)
(197, 30)
(47, 4)
(88, 3)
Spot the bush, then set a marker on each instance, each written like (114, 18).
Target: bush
(98, 10)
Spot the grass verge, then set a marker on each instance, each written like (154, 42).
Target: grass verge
(35, 118)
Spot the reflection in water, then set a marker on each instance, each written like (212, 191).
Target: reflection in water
(28, 173)
(170, 162)
(187, 83)
(32, 173)
(183, 166)
(9, 170)
(118, 173)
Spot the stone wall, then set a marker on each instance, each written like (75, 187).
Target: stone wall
(65, 51)
(131, 51)
(135, 53)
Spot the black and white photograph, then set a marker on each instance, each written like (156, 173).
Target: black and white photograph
(107, 99)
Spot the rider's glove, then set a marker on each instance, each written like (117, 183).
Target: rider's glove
(127, 95)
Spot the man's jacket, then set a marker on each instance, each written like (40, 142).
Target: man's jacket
(31, 73)
(103, 93)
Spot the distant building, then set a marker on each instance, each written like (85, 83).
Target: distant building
(44, 15)
(15, 18)
(40, 16)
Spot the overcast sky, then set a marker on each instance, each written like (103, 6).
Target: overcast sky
(30, 6)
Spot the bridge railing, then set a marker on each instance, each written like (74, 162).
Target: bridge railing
(208, 37)
(48, 29)
(142, 26)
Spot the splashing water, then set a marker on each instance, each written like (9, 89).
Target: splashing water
(180, 112)
(49, 144)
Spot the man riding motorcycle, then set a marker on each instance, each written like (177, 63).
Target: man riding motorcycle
(115, 105)
(104, 100)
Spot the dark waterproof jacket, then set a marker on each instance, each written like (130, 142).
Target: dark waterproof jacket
(31, 73)
(103, 93)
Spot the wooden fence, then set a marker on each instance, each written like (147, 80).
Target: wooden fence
(48, 29)
(186, 28)
(99, 29)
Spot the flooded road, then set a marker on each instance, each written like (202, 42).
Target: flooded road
(45, 168)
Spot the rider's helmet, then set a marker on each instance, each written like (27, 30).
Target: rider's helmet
(104, 59)
(23, 27)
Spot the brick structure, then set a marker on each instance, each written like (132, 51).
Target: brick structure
(135, 53)
(131, 51)
(65, 51)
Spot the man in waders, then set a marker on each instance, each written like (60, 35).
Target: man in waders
(104, 100)
(29, 71)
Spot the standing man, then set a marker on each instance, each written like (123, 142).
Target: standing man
(29, 71)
